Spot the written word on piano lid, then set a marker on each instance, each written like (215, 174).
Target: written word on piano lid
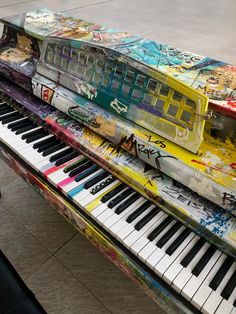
(173, 109)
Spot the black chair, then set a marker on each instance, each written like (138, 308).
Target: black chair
(15, 296)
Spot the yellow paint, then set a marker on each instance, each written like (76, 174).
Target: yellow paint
(97, 201)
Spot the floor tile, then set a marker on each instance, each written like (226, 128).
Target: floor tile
(24, 251)
(60, 292)
(103, 279)
(36, 215)
(7, 175)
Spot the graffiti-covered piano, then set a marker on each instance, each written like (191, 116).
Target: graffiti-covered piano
(159, 123)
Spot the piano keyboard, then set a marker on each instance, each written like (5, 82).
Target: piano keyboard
(197, 270)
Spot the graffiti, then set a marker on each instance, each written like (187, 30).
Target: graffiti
(229, 199)
(86, 90)
(118, 106)
(47, 94)
(152, 152)
(74, 112)
(160, 143)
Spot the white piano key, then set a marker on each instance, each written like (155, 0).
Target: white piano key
(194, 282)
(121, 218)
(138, 239)
(158, 253)
(214, 299)
(204, 290)
(226, 306)
(175, 268)
(185, 274)
(167, 260)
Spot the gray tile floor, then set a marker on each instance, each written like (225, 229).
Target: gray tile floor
(65, 272)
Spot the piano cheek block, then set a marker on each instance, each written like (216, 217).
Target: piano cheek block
(15, 297)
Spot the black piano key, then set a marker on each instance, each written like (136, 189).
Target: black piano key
(112, 193)
(64, 159)
(204, 260)
(25, 129)
(53, 149)
(141, 223)
(53, 142)
(168, 235)
(103, 184)
(15, 125)
(12, 117)
(228, 289)
(81, 168)
(173, 247)
(141, 209)
(129, 201)
(6, 110)
(35, 137)
(234, 304)
(44, 141)
(193, 251)
(115, 201)
(75, 164)
(221, 273)
(33, 133)
(60, 155)
(160, 228)
(95, 180)
(86, 173)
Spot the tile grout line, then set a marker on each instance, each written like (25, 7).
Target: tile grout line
(82, 284)
(87, 5)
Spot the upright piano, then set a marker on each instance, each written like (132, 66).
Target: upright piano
(134, 143)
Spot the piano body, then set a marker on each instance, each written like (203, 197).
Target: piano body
(134, 143)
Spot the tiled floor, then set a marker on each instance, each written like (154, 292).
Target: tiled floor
(66, 273)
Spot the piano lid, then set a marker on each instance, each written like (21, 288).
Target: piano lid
(211, 77)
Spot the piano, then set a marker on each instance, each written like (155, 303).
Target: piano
(151, 182)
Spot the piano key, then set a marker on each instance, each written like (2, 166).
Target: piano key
(124, 194)
(185, 274)
(16, 124)
(104, 174)
(162, 266)
(118, 222)
(85, 197)
(53, 149)
(191, 254)
(109, 179)
(194, 282)
(138, 211)
(25, 128)
(84, 165)
(119, 219)
(174, 246)
(221, 273)
(112, 193)
(59, 156)
(168, 235)
(138, 239)
(32, 133)
(127, 203)
(160, 228)
(175, 268)
(142, 222)
(227, 306)
(109, 212)
(215, 298)
(64, 159)
(158, 253)
(74, 187)
(204, 260)
(204, 290)
(74, 165)
(41, 144)
(226, 293)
